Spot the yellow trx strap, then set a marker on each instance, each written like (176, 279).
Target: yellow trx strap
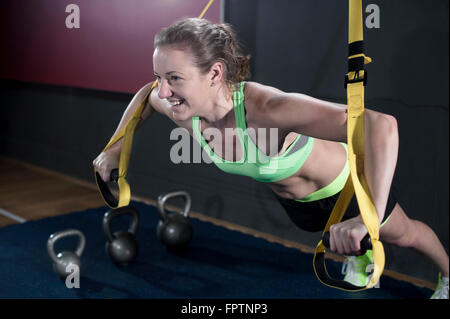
(356, 183)
(127, 132)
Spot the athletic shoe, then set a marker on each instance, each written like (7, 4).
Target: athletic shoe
(441, 291)
(355, 269)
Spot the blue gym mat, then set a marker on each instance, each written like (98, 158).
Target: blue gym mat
(219, 263)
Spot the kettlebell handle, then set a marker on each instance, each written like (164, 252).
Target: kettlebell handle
(164, 197)
(65, 233)
(126, 210)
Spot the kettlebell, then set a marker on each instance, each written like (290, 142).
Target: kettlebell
(65, 258)
(174, 230)
(122, 246)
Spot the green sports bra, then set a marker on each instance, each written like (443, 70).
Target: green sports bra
(255, 163)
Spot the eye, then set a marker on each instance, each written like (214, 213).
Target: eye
(174, 78)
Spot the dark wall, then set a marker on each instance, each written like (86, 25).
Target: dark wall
(54, 42)
(296, 46)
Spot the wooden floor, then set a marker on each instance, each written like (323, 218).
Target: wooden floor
(32, 193)
(28, 192)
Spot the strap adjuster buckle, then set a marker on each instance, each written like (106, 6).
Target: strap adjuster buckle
(356, 78)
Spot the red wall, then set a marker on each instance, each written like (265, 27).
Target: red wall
(112, 50)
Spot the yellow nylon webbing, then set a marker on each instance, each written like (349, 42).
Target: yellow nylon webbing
(356, 182)
(127, 132)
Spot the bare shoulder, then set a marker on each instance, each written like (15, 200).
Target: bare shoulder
(258, 99)
(259, 94)
(295, 112)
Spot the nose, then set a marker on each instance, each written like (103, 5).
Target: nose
(164, 90)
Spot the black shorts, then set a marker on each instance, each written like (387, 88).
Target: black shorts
(313, 216)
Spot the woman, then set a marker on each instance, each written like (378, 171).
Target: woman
(200, 87)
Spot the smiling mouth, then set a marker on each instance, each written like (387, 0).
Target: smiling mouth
(177, 102)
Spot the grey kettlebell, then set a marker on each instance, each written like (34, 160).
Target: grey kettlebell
(122, 246)
(174, 230)
(65, 258)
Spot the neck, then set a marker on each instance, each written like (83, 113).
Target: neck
(220, 106)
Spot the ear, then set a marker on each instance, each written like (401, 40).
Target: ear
(216, 73)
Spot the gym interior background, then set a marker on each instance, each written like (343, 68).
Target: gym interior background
(63, 91)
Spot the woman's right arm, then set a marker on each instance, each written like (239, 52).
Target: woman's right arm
(106, 161)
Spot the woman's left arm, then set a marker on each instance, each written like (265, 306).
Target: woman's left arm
(326, 120)
(380, 158)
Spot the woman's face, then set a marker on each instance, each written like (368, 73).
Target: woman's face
(180, 82)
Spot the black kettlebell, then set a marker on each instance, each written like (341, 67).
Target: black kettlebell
(122, 246)
(174, 230)
(64, 259)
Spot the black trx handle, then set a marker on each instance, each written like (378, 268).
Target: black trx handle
(115, 175)
(104, 189)
(365, 242)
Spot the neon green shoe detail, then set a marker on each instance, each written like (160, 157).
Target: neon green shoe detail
(441, 291)
(355, 269)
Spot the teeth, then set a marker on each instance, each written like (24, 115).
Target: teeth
(176, 102)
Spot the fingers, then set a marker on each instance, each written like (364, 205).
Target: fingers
(345, 240)
(355, 242)
(102, 173)
(105, 175)
(104, 164)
